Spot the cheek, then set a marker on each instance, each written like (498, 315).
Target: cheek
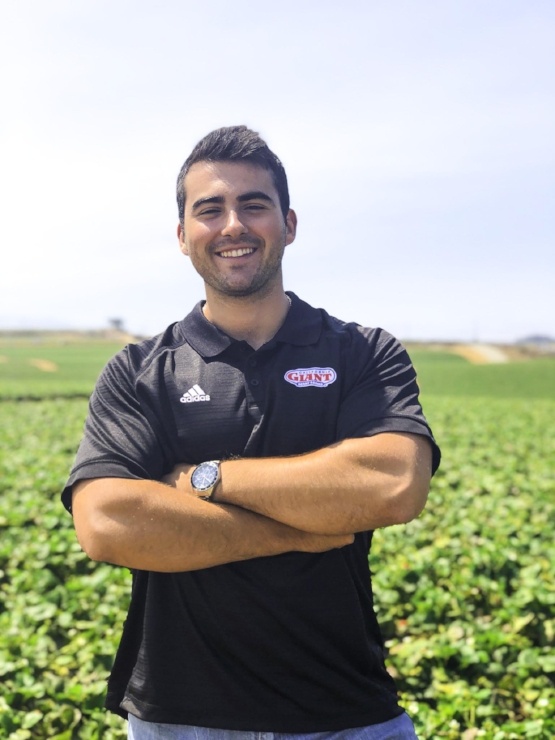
(198, 235)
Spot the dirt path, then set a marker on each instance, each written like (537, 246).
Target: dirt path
(481, 354)
(45, 365)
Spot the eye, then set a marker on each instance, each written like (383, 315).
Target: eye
(254, 207)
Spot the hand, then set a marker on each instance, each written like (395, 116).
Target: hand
(179, 477)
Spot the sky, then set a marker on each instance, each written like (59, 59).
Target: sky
(418, 139)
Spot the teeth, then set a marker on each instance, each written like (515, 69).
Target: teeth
(236, 252)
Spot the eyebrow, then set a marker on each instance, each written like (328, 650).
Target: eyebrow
(218, 199)
(204, 201)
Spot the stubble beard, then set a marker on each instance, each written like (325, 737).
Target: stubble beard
(261, 283)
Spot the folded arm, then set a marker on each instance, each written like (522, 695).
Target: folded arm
(262, 506)
(351, 486)
(146, 525)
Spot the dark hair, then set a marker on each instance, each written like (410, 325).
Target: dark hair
(235, 144)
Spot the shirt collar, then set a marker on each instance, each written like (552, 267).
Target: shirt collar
(302, 326)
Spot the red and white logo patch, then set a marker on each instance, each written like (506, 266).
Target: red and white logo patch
(305, 376)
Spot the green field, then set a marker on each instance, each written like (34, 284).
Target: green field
(465, 593)
(68, 369)
(443, 374)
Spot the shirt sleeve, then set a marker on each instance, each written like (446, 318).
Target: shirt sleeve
(120, 439)
(382, 393)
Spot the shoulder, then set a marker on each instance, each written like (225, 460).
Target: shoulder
(137, 357)
(371, 341)
(145, 352)
(309, 325)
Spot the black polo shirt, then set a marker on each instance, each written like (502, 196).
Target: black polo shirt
(287, 643)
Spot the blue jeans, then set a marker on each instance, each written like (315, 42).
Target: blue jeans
(400, 728)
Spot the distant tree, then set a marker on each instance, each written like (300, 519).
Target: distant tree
(117, 324)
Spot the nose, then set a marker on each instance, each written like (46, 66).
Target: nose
(233, 226)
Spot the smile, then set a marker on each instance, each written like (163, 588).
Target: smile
(237, 252)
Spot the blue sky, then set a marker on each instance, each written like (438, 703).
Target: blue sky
(418, 138)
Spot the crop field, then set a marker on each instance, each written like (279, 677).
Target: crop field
(45, 369)
(465, 594)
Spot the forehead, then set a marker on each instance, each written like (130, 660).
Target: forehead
(228, 180)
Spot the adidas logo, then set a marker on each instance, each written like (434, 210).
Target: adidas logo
(194, 394)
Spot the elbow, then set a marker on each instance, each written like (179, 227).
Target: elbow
(93, 542)
(409, 502)
(412, 487)
(93, 528)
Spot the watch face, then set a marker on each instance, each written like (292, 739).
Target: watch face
(204, 476)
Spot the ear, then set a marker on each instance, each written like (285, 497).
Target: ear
(181, 238)
(290, 227)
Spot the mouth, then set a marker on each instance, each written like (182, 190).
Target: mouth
(236, 252)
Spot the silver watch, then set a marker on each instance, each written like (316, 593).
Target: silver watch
(205, 478)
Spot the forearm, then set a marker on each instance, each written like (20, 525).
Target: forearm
(352, 486)
(147, 525)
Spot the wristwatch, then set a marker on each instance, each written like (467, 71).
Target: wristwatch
(205, 478)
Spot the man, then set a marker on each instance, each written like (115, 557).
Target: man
(238, 463)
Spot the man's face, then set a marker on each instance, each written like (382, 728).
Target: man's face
(234, 230)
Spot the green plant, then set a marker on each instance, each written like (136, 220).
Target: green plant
(464, 593)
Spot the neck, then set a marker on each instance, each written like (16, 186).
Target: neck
(249, 318)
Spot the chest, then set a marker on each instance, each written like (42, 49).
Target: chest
(249, 403)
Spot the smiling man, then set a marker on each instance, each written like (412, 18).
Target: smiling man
(238, 464)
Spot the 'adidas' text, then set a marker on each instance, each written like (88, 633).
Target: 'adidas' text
(194, 394)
